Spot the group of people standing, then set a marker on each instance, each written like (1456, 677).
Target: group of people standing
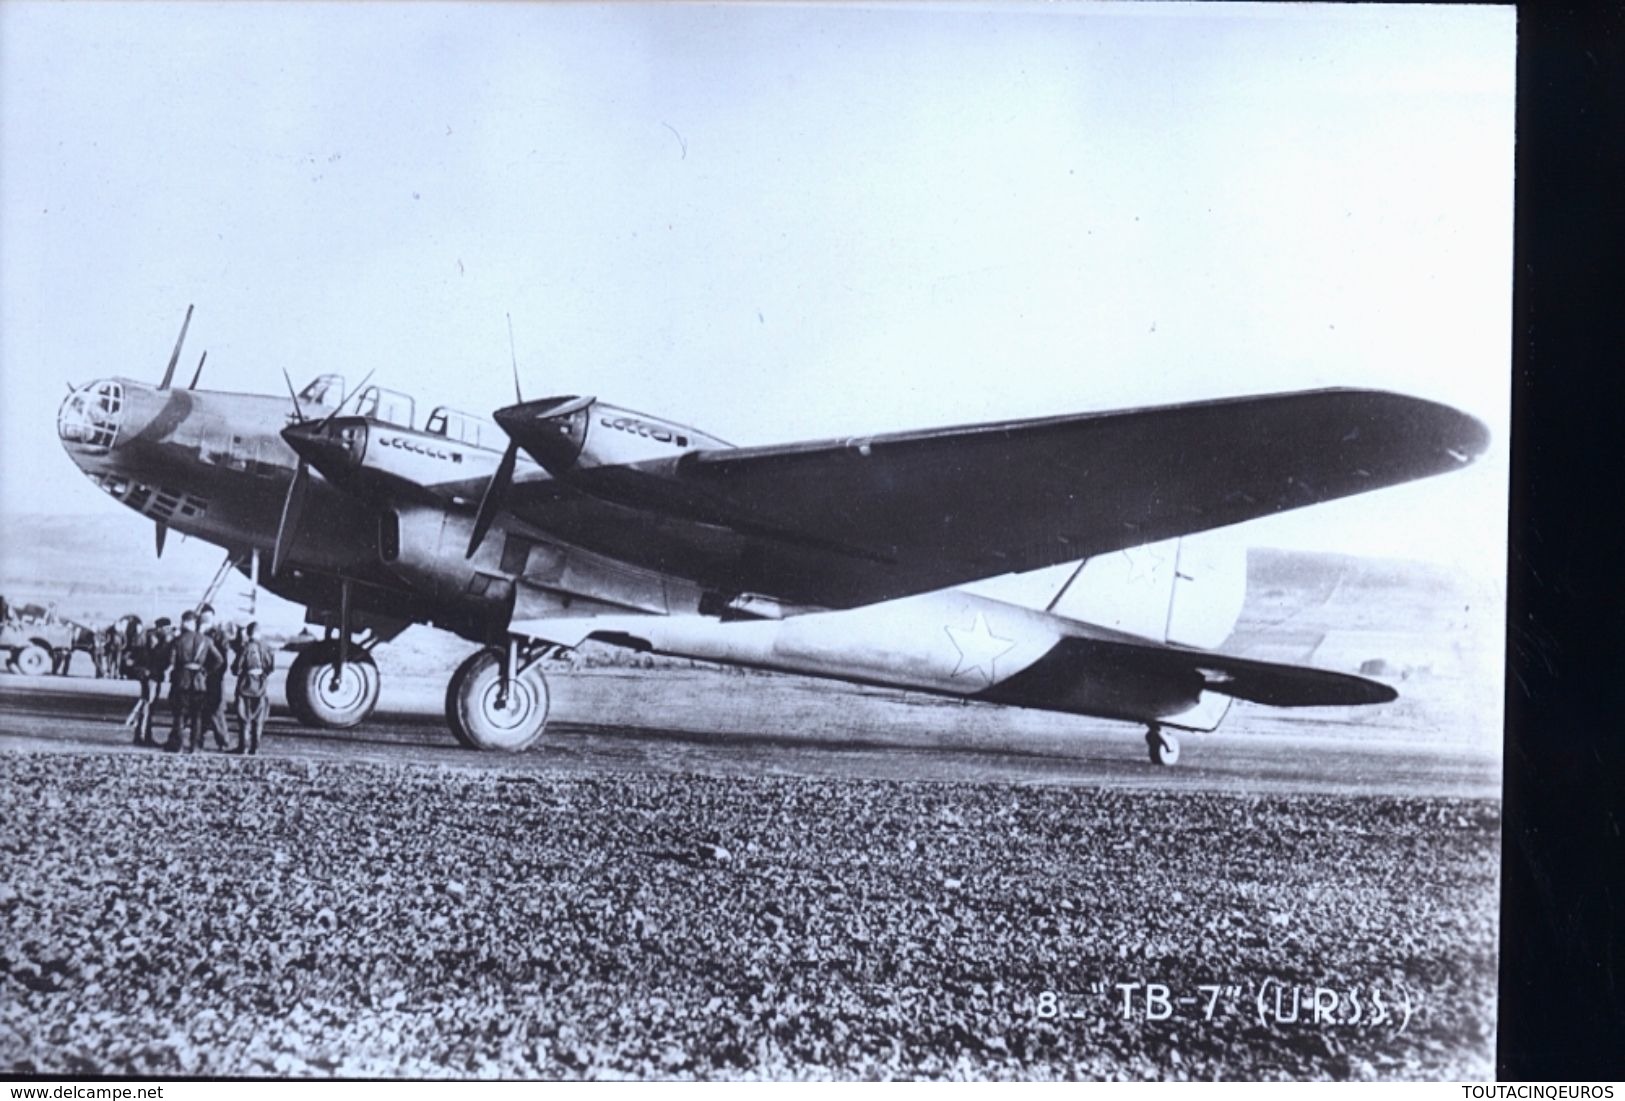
(113, 648)
(195, 661)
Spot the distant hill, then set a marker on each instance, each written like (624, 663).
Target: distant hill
(99, 567)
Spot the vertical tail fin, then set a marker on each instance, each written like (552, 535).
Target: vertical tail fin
(1185, 591)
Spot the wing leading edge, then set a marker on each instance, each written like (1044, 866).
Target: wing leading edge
(917, 511)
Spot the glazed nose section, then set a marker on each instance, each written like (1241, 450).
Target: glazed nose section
(91, 418)
(334, 447)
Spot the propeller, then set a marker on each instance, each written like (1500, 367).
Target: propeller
(175, 356)
(497, 488)
(514, 355)
(292, 506)
(336, 409)
(298, 413)
(197, 374)
(160, 533)
(491, 500)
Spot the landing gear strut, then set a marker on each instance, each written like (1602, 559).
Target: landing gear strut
(335, 682)
(1163, 746)
(498, 698)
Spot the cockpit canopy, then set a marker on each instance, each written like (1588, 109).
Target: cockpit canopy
(464, 428)
(325, 390)
(394, 407)
(390, 406)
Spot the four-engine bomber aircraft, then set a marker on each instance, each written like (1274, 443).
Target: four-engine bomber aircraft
(864, 560)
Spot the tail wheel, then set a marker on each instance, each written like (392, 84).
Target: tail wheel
(1163, 746)
(319, 694)
(486, 714)
(33, 661)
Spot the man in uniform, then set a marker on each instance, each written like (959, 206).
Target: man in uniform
(149, 659)
(253, 668)
(134, 639)
(195, 660)
(214, 708)
(98, 651)
(113, 649)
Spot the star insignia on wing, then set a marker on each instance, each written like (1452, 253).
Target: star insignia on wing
(978, 648)
(1144, 564)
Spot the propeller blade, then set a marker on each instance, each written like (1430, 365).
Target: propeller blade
(160, 533)
(292, 505)
(197, 374)
(491, 501)
(514, 355)
(336, 409)
(298, 413)
(175, 356)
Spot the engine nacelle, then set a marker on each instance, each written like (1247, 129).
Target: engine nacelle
(569, 434)
(424, 546)
(514, 574)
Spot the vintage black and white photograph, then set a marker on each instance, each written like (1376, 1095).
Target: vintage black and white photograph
(753, 540)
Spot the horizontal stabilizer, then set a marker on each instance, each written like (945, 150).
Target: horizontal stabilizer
(1076, 664)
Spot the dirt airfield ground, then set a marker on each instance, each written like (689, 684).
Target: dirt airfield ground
(710, 874)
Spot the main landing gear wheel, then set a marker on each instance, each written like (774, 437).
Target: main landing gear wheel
(1163, 746)
(485, 714)
(320, 695)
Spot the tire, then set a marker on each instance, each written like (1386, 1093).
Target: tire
(316, 701)
(1163, 747)
(33, 661)
(474, 710)
(454, 718)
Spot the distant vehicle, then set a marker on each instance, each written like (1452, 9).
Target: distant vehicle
(33, 640)
(872, 560)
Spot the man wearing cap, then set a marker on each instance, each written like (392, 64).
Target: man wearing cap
(195, 660)
(214, 705)
(253, 668)
(149, 659)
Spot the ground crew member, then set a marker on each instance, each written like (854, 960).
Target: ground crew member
(150, 659)
(195, 659)
(175, 674)
(113, 647)
(253, 668)
(214, 708)
(134, 639)
(98, 652)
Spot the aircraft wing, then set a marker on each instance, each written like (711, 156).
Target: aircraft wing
(848, 522)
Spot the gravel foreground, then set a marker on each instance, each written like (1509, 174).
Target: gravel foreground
(228, 916)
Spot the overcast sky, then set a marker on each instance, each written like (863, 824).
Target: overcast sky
(775, 222)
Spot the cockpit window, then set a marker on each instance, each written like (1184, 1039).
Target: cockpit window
(462, 427)
(389, 406)
(325, 390)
